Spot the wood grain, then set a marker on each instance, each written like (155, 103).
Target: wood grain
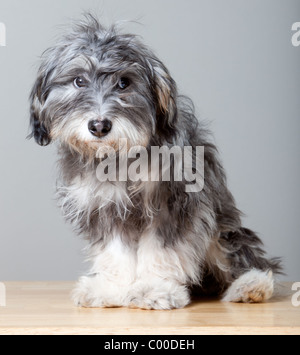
(46, 308)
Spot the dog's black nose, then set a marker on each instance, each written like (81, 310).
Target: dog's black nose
(100, 128)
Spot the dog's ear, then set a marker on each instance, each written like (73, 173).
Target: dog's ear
(38, 96)
(166, 98)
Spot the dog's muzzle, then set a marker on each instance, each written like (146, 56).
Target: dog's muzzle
(100, 128)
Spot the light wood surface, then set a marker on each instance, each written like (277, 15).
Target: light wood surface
(45, 308)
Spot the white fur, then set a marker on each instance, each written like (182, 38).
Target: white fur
(147, 276)
(86, 193)
(112, 275)
(161, 276)
(255, 286)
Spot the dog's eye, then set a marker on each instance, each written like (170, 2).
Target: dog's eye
(124, 83)
(80, 83)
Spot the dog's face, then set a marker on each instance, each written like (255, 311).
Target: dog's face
(96, 87)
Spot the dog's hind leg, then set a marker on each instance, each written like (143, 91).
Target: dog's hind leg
(238, 263)
(254, 286)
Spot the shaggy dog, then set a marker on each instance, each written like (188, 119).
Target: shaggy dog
(152, 243)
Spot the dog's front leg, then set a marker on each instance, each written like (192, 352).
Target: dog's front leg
(162, 275)
(111, 276)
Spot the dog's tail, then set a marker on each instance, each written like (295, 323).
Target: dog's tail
(245, 251)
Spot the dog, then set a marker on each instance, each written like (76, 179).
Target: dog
(152, 244)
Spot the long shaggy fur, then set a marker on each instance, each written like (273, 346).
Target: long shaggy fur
(150, 243)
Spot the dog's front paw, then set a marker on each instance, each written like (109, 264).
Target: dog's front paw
(88, 293)
(97, 292)
(165, 297)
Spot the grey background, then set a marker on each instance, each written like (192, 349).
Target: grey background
(236, 61)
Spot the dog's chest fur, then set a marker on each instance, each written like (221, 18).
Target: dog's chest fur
(99, 210)
(96, 208)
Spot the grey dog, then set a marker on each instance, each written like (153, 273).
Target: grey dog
(152, 244)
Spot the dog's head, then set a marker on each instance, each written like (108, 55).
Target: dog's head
(97, 86)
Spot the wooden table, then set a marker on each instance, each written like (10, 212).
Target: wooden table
(45, 308)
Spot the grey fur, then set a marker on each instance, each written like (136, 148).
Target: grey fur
(208, 223)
